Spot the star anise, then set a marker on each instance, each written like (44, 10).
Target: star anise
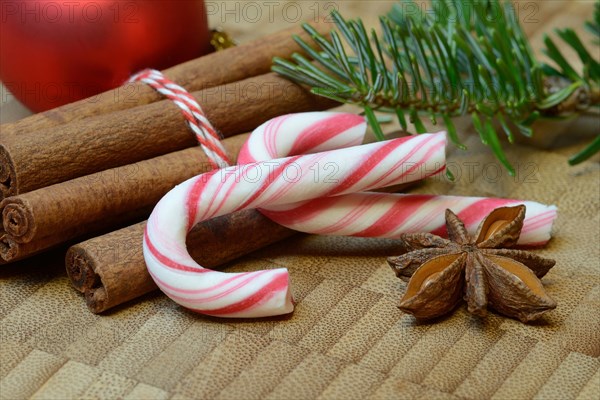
(479, 268)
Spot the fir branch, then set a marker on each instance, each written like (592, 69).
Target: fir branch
(465, 58)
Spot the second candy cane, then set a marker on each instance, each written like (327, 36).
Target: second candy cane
(370, 214)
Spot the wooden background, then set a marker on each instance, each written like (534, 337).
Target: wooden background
(346, 338)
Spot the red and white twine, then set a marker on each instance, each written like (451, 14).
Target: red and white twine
(206, 134)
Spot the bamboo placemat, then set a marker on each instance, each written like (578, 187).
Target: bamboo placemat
(346, 338)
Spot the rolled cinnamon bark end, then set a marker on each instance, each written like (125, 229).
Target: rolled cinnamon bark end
(9, 249)
(97, 300)
(17, 220)
(218, 68)
(125, 137)
(80, 270)
(8, 176)
(110, 269)
(99, 202)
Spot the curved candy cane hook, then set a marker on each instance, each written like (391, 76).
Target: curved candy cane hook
(260, 184)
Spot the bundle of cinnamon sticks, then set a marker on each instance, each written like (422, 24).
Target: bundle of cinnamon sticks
(90, 169)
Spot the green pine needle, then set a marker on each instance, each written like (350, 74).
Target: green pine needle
(373, 123)
(445, 64)
(586, 153)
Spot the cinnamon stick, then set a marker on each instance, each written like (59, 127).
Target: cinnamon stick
(36, 159)
(43, 218)
(215, 69)
(110, 269)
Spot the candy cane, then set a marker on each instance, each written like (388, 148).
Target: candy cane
(390, 215)
(370, 214)
(260, 184)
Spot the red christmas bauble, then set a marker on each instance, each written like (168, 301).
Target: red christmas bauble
(56, 52)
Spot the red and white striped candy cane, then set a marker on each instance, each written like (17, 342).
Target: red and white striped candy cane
(267, 183)
(370, 214)
(390, 215)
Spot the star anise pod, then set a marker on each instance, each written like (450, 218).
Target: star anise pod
(479, 268)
